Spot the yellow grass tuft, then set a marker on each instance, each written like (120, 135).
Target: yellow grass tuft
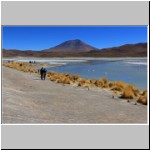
(74, 77)
(82, 82)
(92, 81)
(128, 93)
(102, 82)
(135, 90)
(67, 81)
(117, 86)
(105, 80)
(99, 83)
(48, 75)
(121, 84)
(144, 93)
(111, 84)
(143, 98)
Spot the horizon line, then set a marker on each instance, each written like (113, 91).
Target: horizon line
(72, 40)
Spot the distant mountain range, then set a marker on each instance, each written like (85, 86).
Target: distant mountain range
(78, 48)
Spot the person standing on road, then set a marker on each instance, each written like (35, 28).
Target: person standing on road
(43, 73)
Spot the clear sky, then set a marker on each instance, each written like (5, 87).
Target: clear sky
(43, 37)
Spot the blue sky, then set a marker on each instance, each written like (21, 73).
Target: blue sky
(43, 37)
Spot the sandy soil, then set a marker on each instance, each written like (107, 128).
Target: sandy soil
(27, 99)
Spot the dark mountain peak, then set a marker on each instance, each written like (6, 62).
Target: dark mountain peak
(72, 46)
(78, 40)
(71, 42)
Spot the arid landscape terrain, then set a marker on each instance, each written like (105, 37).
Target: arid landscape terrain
(28, 99)
(77, 48)
(65, 98)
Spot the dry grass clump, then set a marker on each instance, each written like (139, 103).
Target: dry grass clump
(25, 69)
(22, 66)
(63, 78)
(70, 79)
(135, 90)
(33, 70)
(105, 80)
(16, 65)
(48, 75)
(121, 84)
(99, 83)
(52, 73)
(82, 82)
(67, 81)
(74, 77)
(143, 98)
(102, 82)
(52, 76)
(117, 86)
(111, 84)
(128, 93)
(92, 81)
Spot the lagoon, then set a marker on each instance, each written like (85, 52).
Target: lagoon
(133, 71)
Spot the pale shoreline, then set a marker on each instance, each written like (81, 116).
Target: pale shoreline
(27, 99)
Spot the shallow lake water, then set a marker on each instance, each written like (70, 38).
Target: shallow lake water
(132, 71)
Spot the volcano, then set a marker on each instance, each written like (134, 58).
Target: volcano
(72, 46)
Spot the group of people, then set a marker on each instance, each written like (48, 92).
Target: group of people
(10, 61)
(31, 62)
(43, 73)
